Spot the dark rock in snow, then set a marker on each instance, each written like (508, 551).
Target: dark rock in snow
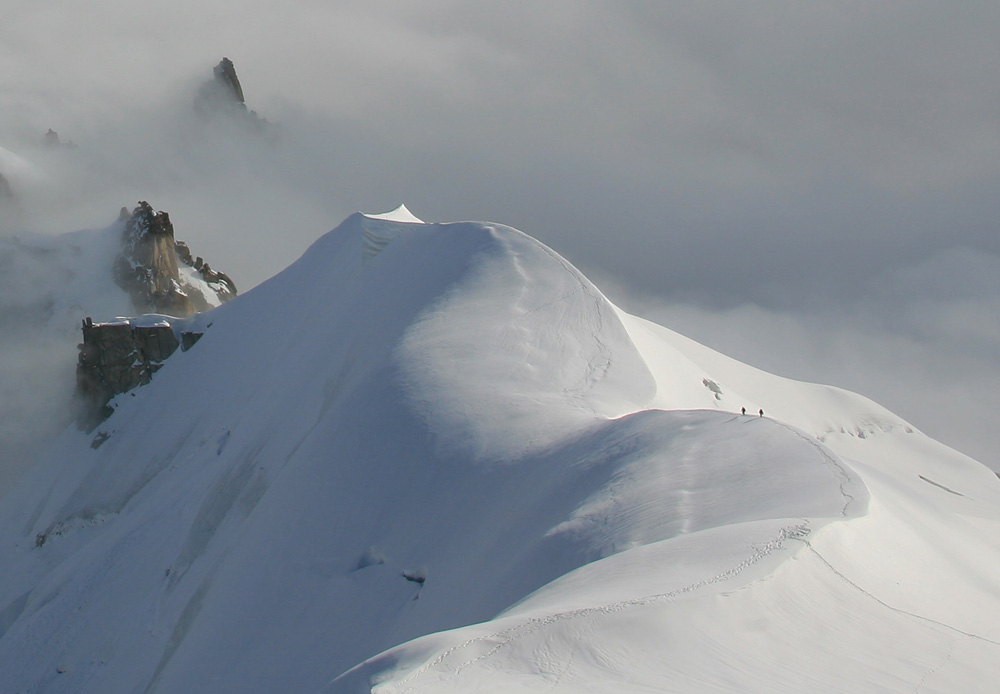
(120, 356)
(115, 358)
(188, 340)
(101, 437)
(415, 577)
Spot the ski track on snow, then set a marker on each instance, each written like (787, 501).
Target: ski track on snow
(927, 675)
(510, 635)
(582, 327)
(800, 532)
(883, 603)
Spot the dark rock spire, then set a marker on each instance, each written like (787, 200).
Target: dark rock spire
(225, 74)
(223, 95)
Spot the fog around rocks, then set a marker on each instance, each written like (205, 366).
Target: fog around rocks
(779, 182)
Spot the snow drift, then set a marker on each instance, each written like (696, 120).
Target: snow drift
(434, 457)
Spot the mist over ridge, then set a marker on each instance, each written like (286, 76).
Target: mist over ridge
(830, 172)
(436, 457)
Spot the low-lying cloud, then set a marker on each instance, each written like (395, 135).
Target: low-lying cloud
(921, 340)
(826, 174)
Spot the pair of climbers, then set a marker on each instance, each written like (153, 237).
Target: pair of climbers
(760, 412)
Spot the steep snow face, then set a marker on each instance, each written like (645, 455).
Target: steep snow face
(522, 342)
(445, 431)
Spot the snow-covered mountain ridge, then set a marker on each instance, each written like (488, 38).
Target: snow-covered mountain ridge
(444, 432)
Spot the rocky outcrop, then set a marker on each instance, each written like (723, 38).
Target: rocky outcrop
(117, 357)
(147, 265)
(162, 279)
(150, 263)
(223, 95)
(225, 74)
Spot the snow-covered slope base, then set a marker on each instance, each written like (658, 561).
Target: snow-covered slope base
(435, 458)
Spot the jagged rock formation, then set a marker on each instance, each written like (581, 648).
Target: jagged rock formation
(223, 94)
(117, 357)
(147, 266)
(162, 278)
(150, 267)
(225, 72)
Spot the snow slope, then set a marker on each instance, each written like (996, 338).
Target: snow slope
(434, 457)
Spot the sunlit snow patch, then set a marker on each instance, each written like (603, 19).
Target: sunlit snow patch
(377, 237)
(400, 214)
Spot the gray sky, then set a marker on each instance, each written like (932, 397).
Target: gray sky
(812, 188)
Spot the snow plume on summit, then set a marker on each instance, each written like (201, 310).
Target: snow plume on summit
(435, 458)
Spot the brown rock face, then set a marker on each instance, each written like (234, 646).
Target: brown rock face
(115, 358)
(148, 267)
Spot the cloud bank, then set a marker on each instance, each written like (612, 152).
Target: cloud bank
(818, 181)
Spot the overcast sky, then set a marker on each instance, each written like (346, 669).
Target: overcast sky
(809, 187)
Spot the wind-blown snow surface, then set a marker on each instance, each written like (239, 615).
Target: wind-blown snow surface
(435, 458)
